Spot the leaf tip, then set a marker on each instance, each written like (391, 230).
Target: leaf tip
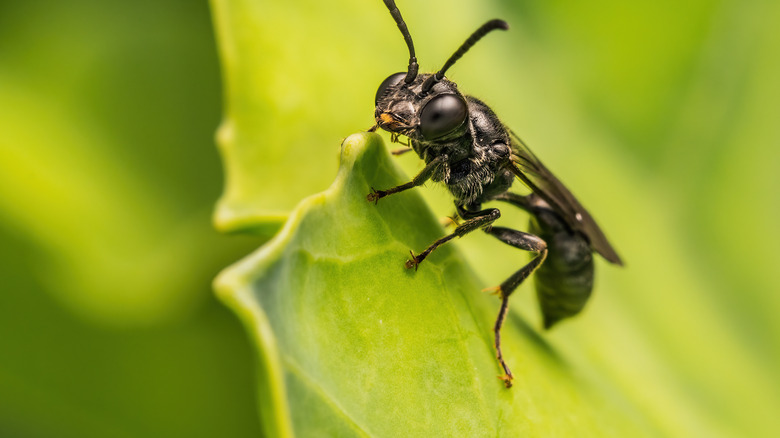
(357, 145)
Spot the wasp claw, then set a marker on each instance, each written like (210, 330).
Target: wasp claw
(413, 262)
(375, 195)
(507, 378)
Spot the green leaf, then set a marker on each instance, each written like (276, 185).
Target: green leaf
(108, 174)
(353, 344)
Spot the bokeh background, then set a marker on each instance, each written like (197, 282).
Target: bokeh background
(108, 176)
(661, 117)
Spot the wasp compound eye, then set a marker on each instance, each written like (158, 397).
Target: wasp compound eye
(441, 115)
(387, 84)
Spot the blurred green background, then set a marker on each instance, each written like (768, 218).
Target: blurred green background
(661, 117)
(108, 176)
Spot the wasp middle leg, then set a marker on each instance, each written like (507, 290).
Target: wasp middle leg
(476, 220)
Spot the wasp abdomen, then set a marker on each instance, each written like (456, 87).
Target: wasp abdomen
(565, 280)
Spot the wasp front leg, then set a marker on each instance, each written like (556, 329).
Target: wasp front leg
(418, 180)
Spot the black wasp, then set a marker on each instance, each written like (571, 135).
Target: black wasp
(466, 147)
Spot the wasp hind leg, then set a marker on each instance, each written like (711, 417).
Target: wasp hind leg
(527, 242)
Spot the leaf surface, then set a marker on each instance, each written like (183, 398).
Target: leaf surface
(367, 348)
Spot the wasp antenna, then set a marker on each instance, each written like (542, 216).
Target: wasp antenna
(476, 36)
(411, 73)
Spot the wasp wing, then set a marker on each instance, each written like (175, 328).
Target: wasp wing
(541, 181)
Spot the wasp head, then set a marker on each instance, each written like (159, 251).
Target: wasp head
(426, 108)
(422, 115)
